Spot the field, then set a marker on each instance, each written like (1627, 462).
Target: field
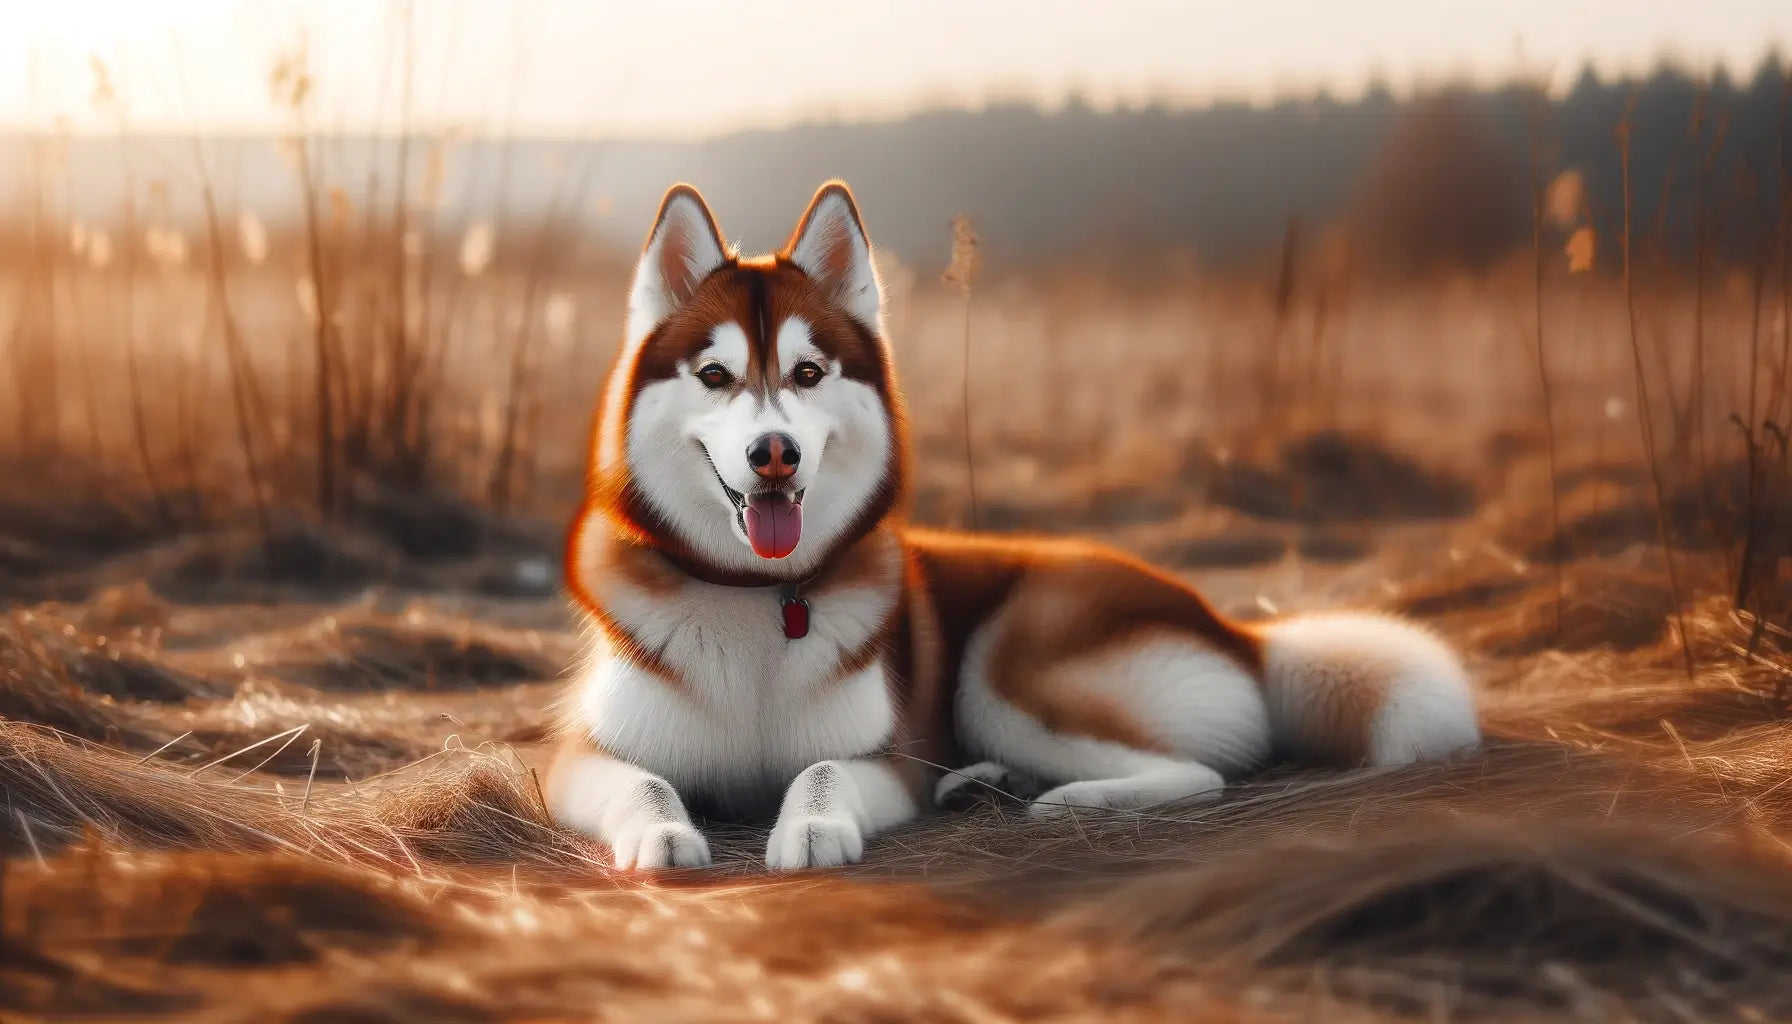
(283, 629)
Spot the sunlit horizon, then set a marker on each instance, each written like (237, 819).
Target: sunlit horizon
(694, 69)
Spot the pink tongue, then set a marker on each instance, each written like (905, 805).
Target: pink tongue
(774, 525)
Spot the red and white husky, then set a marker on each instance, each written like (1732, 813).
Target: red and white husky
(770, 635)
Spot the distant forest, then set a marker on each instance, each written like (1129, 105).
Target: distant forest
(1444, 176)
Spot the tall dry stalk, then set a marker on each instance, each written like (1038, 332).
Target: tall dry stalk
(1757, 566)
(1684, 409)
(106, 98)
(1701, 258)
(1314, 395)
(1549, 409)
(498, 480)
(1753, 440)
(245, 396)
(243, 392)
(289, 81)
(1644, 419)
(323, 345)
(522, 404)
(1282, 306)
(498, 488)
(64, 291)
(35, 333)
(1776, 421)
(517, 436)
(961, 274)
(398, 363)
(186, 421)
(1784, 162)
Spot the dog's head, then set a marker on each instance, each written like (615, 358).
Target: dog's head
(751, 422)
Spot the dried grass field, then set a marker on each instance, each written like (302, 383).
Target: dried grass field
(279, 543)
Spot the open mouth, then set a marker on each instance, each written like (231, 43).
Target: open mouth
(771, 519)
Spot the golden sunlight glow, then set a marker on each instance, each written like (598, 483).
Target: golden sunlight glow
(685, 67)
(96, 26)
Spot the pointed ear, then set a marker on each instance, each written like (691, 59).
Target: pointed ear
(829, 245)
(683, 248)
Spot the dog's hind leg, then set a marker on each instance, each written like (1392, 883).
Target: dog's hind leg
(1154, 780)
(1153, 720)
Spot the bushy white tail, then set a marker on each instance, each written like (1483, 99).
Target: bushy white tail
(1365, 688)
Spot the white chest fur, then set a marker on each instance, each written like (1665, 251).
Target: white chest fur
(750, 707)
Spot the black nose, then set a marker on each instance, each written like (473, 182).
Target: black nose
(774, 456)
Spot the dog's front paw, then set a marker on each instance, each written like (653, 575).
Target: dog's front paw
(814, 841)
(660, 844)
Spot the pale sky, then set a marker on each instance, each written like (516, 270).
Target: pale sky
(686, 68)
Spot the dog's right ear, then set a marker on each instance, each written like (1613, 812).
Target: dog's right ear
(683, 248)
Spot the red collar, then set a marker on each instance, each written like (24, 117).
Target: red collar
(730, 577)
(793, 607)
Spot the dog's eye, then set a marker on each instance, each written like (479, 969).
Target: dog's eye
(807, 375)
(714, 376)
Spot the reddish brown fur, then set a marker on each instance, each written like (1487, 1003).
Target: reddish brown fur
(756, 293)
(1071, 598)
(1068, 599)
(752, 293)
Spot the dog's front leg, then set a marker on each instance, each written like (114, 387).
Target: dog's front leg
(833, 805)
(635, 811)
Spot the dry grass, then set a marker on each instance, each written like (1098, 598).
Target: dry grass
(277, 770)
(1620, 849)
(281, 636)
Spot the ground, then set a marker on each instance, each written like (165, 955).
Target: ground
(296, 777)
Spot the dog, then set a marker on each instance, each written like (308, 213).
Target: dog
(771, 638)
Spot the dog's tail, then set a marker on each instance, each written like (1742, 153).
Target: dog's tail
(1358, 688)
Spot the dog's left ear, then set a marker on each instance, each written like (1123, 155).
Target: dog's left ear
(829, 245)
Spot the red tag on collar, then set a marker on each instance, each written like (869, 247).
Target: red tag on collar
(796, 617)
